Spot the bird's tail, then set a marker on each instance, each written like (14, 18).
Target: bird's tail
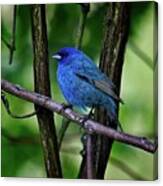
(112, 115)
(115, 123)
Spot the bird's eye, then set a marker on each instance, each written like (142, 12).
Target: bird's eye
(63, 54)
(60, 55)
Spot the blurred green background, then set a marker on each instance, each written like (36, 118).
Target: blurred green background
(21, 151)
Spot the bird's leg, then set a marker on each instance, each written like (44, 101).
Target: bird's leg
(84, 120)
(66, 106)
(91, 114)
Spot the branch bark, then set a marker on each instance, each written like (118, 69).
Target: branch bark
(90, 126)
(116, 27)
(89, 157)
(111, 62)
(42, 85)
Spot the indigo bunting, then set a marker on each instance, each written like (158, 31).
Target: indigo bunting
(82, 83)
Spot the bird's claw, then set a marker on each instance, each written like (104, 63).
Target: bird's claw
(84, 119)
(66, 106)
(86, 126)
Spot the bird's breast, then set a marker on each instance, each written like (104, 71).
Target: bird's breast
(68, 84)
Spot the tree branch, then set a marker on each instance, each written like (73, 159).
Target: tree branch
(116, 27)
(7, 107)
(89, 159)
(89, 125)
(5, 42)
(86, 167)
(62, 131)
(42, 86)
(12, 45)
(141, 54)
(84, 9)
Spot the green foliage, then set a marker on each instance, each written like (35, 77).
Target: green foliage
(25, 158)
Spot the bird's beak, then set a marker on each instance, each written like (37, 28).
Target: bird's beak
(56, 56)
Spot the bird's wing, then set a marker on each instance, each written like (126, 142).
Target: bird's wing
(106, 88)
(94, 76)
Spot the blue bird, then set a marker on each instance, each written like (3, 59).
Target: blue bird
(83, 84)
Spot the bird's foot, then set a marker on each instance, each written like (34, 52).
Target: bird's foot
(84, 119)
(91, 114)
(86, 125)
(66, 106)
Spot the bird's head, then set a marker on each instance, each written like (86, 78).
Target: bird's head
(64, 54)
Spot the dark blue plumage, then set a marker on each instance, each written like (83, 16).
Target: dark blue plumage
(82, 83)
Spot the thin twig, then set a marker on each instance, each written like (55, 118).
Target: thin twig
(7, 107)
(89, 158)
(12, 45)
(62, 131)
(6, 42)
(89, 125)
(88, 146)
(84, 9)
(141, 54)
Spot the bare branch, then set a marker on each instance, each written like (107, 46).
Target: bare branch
(89, 125)
(89, 156)
(62, 131)
(141, 54)
(87, 169)
(116, 28)
(6, 42)
(7, 107)
(42, 86)
(84, 9)
(12, 45)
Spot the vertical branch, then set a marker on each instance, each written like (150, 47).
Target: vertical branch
(64, 126)
(12, 45)
(141, 54)
(89, 157)
(111, 63)
(42, 85)
(85, 9)
(86, 168)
